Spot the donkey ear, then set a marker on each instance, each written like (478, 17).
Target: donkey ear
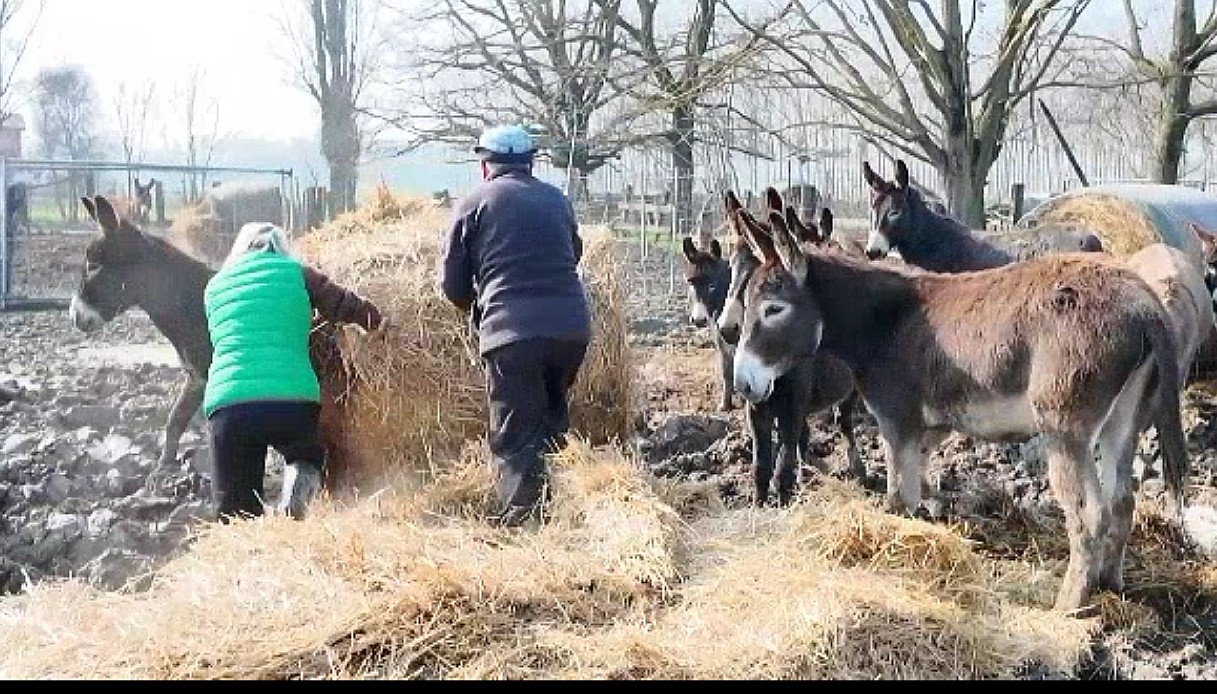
(826, 223)
(773, 199)
(716, 249)
(802, 232)
(689, 249)
(88, 205)
(757, 237)
(787, 246)
(731, 202)
(902, 174)
(873, 179)
(105, 215)
(1208, 242)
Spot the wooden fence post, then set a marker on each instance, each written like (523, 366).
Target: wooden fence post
(316, 199)
(1018, 196)
(158, 201)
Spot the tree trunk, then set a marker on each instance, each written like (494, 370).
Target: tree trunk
(964, 180)
(1172, 127)
(344, 178)
(340, 146)
(683, 123)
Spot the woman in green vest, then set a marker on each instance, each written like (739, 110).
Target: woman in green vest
(261, 389)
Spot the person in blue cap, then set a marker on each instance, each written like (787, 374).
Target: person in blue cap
(511, 259)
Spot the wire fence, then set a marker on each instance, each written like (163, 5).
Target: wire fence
(46, 227)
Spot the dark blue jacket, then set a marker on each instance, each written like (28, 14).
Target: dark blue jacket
(514, 248)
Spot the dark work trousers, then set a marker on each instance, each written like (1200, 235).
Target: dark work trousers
(240, 435)
(528, 383)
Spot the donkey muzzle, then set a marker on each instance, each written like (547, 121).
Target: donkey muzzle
(753, 379)
(84, 316)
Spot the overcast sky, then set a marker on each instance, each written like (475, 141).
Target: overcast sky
(236, 41)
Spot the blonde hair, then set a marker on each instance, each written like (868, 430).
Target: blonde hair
(259, 236)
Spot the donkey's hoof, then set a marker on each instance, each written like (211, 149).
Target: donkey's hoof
(301, 483)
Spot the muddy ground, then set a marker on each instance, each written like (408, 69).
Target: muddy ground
(81, 415)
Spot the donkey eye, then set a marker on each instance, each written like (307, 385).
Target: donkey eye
(773, 310)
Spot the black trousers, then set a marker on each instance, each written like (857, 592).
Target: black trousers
(528, 383)
(240, 436)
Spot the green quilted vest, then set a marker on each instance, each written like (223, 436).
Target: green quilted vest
(259, 317)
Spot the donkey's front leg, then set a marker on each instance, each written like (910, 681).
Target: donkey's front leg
(794, 442)
(760, 424)
(189, 398)
(726, 358)
(906, 452)
(843, 413)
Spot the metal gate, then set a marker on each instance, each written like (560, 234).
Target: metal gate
(46, 229)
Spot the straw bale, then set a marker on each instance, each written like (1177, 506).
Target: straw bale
(200, 234)
(418, 394)
(1120, 224)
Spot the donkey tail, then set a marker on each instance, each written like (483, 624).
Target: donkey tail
(1168, 419)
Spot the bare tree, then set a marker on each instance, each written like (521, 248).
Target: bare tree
(545, 63)
(1192, 44)
(684, 62)
(198, 114)
(65, 101)
(922, 80)
(18, 20)
(133, 108)
(335, 43)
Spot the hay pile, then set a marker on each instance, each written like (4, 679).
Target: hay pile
(629, 580)
(200, 233)
(1129, 217)
(418, 395)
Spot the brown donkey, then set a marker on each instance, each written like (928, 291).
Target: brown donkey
(125, 268)
(1071, 346)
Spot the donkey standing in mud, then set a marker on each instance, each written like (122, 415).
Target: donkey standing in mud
(126, 268)
(813, 386)
(932, 240)
(1072, 346)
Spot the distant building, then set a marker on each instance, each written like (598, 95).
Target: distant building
(11, 133)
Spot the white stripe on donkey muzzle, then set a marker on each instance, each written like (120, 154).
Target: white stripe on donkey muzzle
(877, 245)
(729, 320)
(84, 316)
(753, 379)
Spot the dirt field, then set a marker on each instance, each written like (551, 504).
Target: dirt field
(82, 432)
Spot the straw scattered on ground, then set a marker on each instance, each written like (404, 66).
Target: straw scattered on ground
(617, 584)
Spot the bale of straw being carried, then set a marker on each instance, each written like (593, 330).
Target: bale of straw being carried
(1130, 216)
(396, 405)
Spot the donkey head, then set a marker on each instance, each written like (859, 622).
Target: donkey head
(1208, 246)
(114, 261)
(707, 274)
(894, 208)
(143, 199)
(781, 323)
(744, 261)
